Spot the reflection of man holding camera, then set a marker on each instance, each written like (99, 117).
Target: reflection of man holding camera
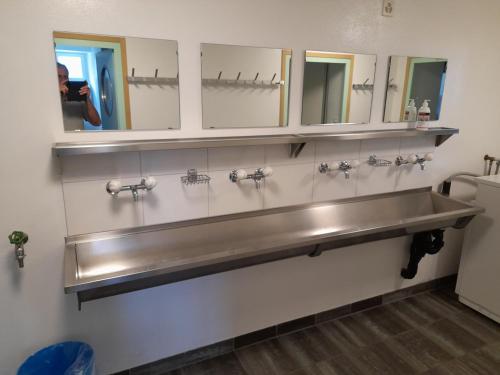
(76, 102)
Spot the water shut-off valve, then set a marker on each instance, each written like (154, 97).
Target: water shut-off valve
(19, 239)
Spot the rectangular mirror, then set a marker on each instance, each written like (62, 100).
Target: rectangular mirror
(117, 83)
(338, 88)
(411, 82)
(244, 87)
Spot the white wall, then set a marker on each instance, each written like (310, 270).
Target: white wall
(139, 327)
(153, 107)
(233, 106)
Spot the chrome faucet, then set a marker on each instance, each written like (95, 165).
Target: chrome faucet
(19, 239)
(114, 187)
(259, 175)
(344, 166)
(414, 159)
(421, 161)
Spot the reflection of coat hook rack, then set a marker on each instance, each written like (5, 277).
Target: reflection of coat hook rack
(243, 82)
(363, 86)
(152, 80)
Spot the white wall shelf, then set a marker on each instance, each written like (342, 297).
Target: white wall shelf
(296, 141)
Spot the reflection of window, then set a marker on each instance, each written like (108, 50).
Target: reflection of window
(75, 65)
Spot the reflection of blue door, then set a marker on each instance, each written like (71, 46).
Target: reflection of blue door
(107, 93)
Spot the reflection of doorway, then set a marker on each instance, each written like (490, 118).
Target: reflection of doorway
(425, 81)
(107, 72)
(327, 88)
(107, 94)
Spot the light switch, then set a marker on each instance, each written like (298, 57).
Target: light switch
(388, 8)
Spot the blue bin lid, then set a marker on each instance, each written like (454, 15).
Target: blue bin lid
(70, 357)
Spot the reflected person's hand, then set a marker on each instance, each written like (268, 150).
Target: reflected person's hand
(85, 90)
(63, 88)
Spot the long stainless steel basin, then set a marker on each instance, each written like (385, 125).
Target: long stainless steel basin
(103, 264)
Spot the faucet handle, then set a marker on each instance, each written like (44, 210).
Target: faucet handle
(241, 174)
(429, 156)
(149, 182)
(325, 167)
(18, 238)
(238, 175)
(114, 187)
(267, 171)
(412, 159)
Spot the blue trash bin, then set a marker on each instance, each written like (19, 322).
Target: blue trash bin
(65, 358)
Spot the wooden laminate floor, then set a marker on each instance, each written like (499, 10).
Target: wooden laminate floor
(430, 333)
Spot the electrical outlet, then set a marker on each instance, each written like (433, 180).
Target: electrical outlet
(388, 8)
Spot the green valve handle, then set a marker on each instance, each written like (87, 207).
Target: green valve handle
(18, 238)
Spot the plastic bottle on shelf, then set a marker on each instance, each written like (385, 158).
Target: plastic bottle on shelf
(411, 111)
(424, 113)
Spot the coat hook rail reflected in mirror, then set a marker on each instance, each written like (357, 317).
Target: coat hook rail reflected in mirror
(254, 82)
(132, 79)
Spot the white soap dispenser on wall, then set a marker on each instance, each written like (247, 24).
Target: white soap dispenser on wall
(424, 113)
(411, 111)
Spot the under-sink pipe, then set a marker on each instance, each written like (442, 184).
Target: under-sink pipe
(445, 186)
(423, 243)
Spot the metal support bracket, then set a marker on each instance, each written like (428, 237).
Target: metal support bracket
(316, 252)
(296, 149)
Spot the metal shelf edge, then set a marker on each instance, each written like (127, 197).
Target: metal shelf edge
(83, 148)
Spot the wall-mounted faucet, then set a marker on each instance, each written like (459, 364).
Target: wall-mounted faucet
(414, 159)
(344, 166)
(19, 239)
(259, 174)
(114, 187)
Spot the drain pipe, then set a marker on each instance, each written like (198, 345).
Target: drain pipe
(423, 243)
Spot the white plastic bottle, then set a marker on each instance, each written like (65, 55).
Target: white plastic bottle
(424, 113)
(411, 111)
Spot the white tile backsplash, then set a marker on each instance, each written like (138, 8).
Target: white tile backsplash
(173, 161)
(377, 180)
(417, 145)
(411, 176)
(171, 200)
(280, 155)
(220, 159)
(89, 208)
(227, 197)
(334, 185)
(100, 166)
(295, 180)
(328, 151)
(289, 185)
(379, 147)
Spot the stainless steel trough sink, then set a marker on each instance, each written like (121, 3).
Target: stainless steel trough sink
(103, 264)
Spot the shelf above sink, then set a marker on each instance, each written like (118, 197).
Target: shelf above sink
(296, 141)
(105, 264)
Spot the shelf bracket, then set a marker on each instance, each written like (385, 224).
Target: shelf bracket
(296, 149)
(441, 138)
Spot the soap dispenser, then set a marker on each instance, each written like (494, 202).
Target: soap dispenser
(411, 111)
(424, 113)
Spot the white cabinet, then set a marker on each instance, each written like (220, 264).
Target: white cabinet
(479, 274)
